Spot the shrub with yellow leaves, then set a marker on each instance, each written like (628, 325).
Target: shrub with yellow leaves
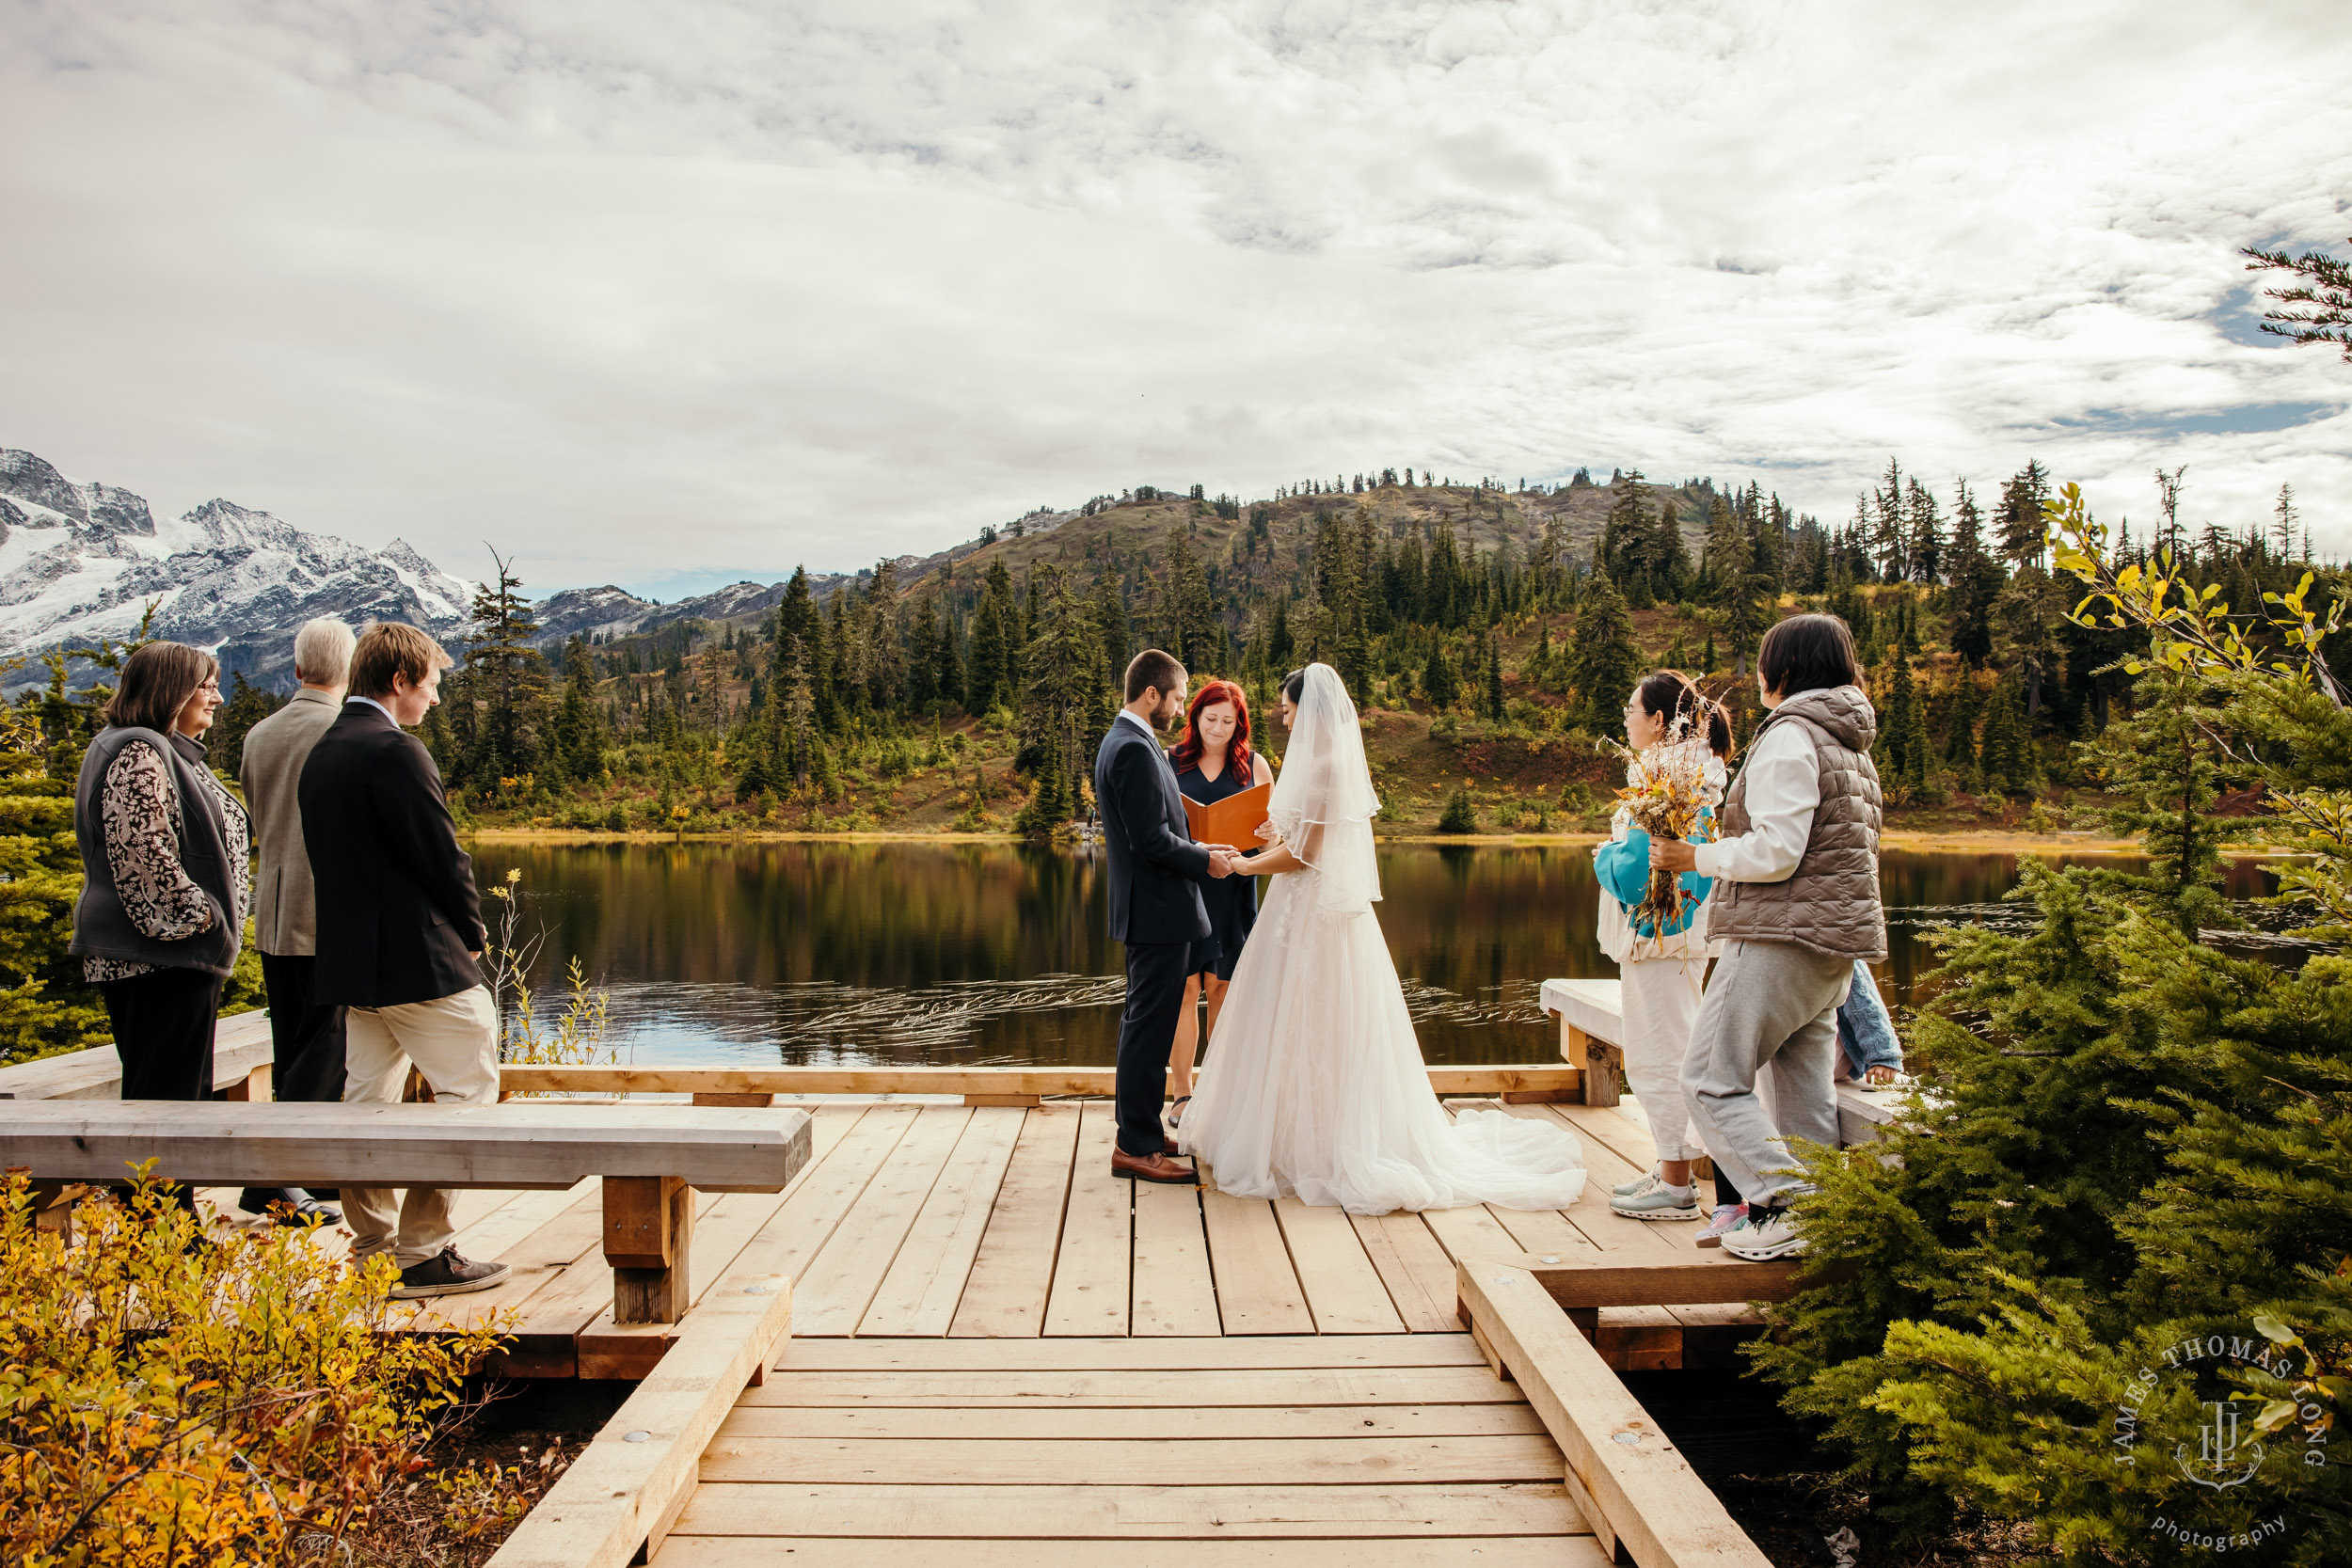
(169, 1397)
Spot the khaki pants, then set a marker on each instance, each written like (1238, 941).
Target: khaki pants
(454, 1040)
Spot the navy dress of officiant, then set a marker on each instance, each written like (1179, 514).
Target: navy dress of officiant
(1233, 904)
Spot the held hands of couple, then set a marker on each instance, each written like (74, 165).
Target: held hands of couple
(1223, 859)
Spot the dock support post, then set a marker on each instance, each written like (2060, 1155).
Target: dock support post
(649, 1232)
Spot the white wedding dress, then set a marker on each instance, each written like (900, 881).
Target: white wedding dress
(1315, 1084)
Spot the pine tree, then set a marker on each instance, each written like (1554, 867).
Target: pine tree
(2160, 769)
(1902, 747)
(922, 651)
(993, 630)
(1923, 531)
(507, 676)
(1065, 701)
(1493, 691)
(1736, 589)
(1960, 737)
(577, 745)
(2007, 750)
(1976, 582)
(1110, 617)
(1607, 662)
(950, 681)
(1438, 681)
(2019, 526)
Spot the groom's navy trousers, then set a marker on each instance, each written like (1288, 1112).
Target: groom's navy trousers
(1147, 1033)
(1156, 871)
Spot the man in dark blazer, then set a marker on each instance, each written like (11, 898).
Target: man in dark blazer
(1157, 870)
(399, 932)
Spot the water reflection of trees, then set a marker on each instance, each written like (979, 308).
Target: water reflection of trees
(960, 952)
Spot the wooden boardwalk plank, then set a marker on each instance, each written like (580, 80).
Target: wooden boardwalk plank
(1342, 1289)
(1091, 1271)
(1138, 1390)
(494, 1234)
(1257, 1289)
(919, 1295)
(1242, 1462)
(1174, 1293)
(1214, 1422)
(1142, 1354)
(813, 1208)
(832, 1293)
(1148, 1513)
(1013, 1275)
(1470, 1234)
(534, 1263)
(1416, 1270)
(1492, 1551)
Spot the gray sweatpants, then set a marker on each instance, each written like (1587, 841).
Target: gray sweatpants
(1771, 1007)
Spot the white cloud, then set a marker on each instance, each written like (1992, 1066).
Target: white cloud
(642, 291)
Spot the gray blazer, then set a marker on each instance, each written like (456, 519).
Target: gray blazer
(285, 901)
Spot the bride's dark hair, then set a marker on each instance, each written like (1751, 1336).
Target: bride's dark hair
(1671, 695)
(1294, 685)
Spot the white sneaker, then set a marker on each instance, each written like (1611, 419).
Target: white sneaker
(1627, 1189)
(1652, 1200)
(1779, 1235)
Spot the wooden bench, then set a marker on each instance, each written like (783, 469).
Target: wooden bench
(241, 1067)
(652, 1160)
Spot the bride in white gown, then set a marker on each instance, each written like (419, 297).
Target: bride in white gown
(1315, 1083)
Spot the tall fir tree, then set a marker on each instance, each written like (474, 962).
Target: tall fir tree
(1607, 660)
(1065, 701)
(507, 677)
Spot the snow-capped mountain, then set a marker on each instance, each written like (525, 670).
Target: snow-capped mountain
(79, 562)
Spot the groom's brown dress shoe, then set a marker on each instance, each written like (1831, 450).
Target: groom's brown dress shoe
(1150, 1167)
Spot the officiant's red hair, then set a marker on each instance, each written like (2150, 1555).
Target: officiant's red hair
(1187, 751)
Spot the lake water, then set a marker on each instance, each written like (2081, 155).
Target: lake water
(995, 953)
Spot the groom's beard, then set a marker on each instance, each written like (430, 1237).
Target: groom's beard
(1170, 710)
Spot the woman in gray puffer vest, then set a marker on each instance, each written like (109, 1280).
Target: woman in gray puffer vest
(1796, 904)
(166, 872)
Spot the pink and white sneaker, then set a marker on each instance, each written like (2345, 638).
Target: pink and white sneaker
(1724, 1218)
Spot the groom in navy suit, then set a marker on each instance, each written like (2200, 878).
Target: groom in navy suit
(1157, 870)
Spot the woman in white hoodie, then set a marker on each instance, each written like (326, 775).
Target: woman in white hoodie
(1796, 905)
(1663, 965)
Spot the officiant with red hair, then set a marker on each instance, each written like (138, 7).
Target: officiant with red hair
(1214, 762)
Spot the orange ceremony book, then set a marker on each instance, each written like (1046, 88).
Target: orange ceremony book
(1232, 820)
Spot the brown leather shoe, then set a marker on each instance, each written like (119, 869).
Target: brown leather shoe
(1168, 1146)
(1150, 1167)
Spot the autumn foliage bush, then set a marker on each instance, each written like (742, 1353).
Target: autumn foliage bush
(169, 1398)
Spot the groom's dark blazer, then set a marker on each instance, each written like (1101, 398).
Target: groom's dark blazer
(1157, 869)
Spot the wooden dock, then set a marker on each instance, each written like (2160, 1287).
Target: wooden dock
(984, 1222)
(954, 1337)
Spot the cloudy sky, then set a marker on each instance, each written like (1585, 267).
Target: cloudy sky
(672, 294)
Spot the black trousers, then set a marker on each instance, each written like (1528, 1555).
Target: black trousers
(163, 1022)
(1147, 1032)
(306, 1040)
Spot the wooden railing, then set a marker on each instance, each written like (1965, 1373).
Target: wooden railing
(979, 1086)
